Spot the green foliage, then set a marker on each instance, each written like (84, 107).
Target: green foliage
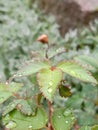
(95, 127)
(89, 128)
(48, 81)
(11, 106)
(7, 90)
(75, 70)
(85, 128)
(89, 61)
(75, 55)
(62, 119)
(17, 121)
(31, 68)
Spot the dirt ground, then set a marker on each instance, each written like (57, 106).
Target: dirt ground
(71, 13)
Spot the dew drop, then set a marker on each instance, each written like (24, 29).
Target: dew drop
(30, 127)
(57, 50)
(49, 90)
(67, 113)
(6, 83)
(7, 117)
(33, 88)
(11, 125)
(72, 72)
(29, 113)
(14, 75)
(12, 105)
(59, 116)
(66, 122)
(50, 83)
(20, 75)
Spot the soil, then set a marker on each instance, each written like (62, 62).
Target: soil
(70, 14)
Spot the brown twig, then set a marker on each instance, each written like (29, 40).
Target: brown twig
(76, 126)
(49, 127)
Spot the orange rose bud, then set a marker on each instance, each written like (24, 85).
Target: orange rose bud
(43, 39)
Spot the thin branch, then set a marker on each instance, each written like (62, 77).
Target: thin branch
(49, 115)
(63, 51)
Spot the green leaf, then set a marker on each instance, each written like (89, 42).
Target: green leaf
(75, 70)
(85, 128)
(88, 60)
(64, 91)
(95, 127)
(27, 107)
(10, 87)
(31, 68)
(48, 81)
(4, 96)
(11, 106)
(7, 90)
(15, 120)
(62, 119)
(86, 118)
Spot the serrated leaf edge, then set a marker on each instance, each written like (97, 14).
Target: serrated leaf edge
(40, 85)
(77, 63)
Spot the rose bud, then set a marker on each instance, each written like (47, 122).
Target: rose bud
(43, 39)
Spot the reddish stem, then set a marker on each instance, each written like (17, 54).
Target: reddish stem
(49, 115)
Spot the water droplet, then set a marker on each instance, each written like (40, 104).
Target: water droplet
(12, 105)
(59, 116)
(20, 75)
(72, 72)
(11, 125)
(50, 83)
(14, 75)
(67, 112)
(7, 117)
(73, 118)
(33, 113)
(33, 88)
(6, 83)
(30, 127)
(66, 122)
(49, 90)
(57, 50)
(29, 113)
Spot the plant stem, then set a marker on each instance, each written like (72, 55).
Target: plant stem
(46, 55)
(49, 115)
(49, 127)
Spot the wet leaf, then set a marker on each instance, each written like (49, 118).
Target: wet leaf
(27, 107)
(31, 68)
(11, 106)
(62, 119)
(75, 70)
(4, 96)
(10, 87)
(48, 81)
(89, 60)
(15, 120)
(7, 90)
